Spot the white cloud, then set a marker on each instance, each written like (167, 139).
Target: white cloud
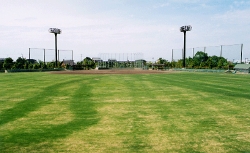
(162, 5)
(239, 17)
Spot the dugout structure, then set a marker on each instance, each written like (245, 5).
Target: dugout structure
(244, 68)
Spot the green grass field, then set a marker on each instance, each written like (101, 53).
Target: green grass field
(172, 112)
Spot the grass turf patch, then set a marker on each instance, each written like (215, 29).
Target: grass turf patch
(176, 112)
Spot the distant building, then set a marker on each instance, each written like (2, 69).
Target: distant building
(2, 60)
(140, 63)
(32, 61)
(245, 68)
(68, 62)
(112, 60)
(111, 63)
(97, 59)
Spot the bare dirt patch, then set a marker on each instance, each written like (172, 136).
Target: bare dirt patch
(111, 72)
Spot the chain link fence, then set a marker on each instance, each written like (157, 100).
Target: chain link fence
(121, 56)
(120, 60)
(48, 55)
(233, 53)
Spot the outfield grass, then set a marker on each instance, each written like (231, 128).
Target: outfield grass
(174, 112)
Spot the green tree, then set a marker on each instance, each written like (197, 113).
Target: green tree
(1, 65)
(200, 59)
(166, 63)
(179, 63)
(20, 63)
(173, 64)
(161, 61)
(30, 66)
(213, 61)
(43, 65)
(50, 65)
(190, 63)
(88, 63)
(222, 63)
(36, 66)
(8, 63)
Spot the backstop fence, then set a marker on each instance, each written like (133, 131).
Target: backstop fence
(48, 55)
(121, 60)
(232, 53)
(121, 56)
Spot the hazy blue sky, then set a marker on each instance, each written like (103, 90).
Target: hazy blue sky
(94, 27)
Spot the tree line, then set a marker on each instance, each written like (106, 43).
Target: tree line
(22, 63)
(200, 61)
(31, 64)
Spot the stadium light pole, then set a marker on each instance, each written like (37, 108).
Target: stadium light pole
(55, 31)
(184, 29)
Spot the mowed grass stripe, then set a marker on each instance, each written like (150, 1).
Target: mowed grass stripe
(213, 109)
(194, 110)
(110, 97)
(216, 85)
(41, 134)
(171, 132)
(177, 112)
(25, 106)
(17, 86)
(138, 115)
(124, 97)
(120, 126)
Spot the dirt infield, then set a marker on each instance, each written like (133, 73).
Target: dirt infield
(110, 72)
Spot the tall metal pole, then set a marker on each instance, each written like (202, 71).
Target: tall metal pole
(241, 53)
(58, 55)
(184, 29)
(184, 52)
(193, 52)
(43, 56)
(56, 48)
(55, 31)
(172, 55)
(72, 55)
(29, 55)
(221, 51)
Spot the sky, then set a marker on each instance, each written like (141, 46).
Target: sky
(148, 29)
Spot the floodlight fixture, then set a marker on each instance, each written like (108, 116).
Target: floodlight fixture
(55, 31)
(184, 29)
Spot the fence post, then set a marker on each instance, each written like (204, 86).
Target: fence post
(241, 53)
(43, 56)
(172, 55)
(29, 55)
(193, 52)
(221, 51)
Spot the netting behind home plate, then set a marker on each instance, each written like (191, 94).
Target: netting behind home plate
(121, 56)
(121, 60)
